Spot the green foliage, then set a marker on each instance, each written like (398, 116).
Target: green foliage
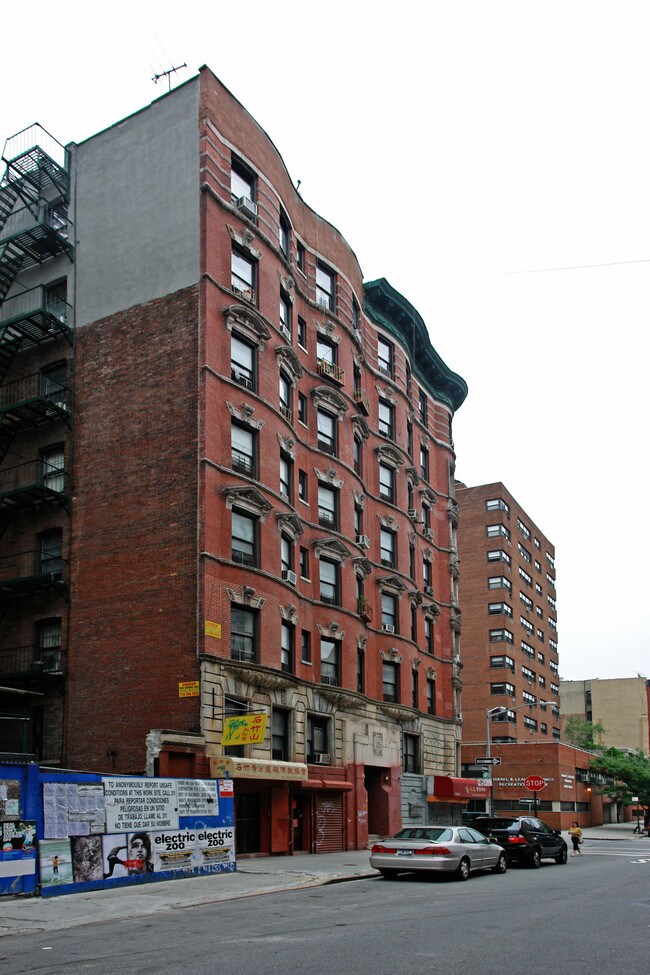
(631, 771)
(583, 734)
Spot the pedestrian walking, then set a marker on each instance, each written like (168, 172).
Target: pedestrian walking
(576, 838)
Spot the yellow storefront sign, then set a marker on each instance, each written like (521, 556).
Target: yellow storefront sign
(243, 729)
(213, 629)
(189, 688)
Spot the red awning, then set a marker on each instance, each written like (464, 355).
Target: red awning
(338, 784)
(447, 787)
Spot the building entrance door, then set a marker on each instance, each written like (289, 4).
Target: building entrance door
(247, 822)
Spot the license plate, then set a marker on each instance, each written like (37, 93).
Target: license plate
(405, 853)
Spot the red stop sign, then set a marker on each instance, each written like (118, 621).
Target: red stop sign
(535, 783)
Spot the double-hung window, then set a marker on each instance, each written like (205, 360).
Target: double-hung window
(387, 544)
(330, 662)
(285, 389)
(326, 429)
(385, 357)
(286, 647)
(325, 287)
(243, 273)
(327, 507)
(329, 582)
(243, 634)
(387, 483)
(386, 419)
(242, 362)
(242, 441)
(390, 680)
(244, 539)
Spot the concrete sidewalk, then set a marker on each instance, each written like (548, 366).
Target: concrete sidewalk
(257, 875)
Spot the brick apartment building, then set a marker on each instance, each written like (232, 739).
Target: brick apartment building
(226, 481)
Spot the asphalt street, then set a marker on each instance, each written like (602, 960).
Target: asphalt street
(589, 917)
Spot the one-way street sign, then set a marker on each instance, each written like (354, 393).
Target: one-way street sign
(487, 761)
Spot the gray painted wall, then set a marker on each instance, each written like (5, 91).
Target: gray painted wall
(136, 207)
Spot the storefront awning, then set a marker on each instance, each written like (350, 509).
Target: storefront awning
(337, 784)
(448, 789)
(227, 766)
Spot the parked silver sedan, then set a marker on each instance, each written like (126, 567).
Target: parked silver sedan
(441, 849)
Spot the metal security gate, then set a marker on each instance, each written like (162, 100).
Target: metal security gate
(328, 823)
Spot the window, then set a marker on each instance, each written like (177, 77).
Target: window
(529, 674)
(302, 332)
(528, 650)
(386, 419)
(48, 641)
(280, 735)
(242, 441)
(426, 517)
(537, 543)
(530, 723)
(501, 636)
(389, 612)
(412, 560)
(415, 689)
(329, 662)
(414, 623)
(387, 544)
(529, 628)
(326, 427)
(426, 577)
(329, 582)
(390, 680)
(286, 477)
(305, 646)
(234, 706)
(527, 601)
(503, 688)
(50, 554)
(499, 609)
(411, 753)
(300, 256)
(303, 483)
(428, 634)
(302, 408)
(552, 603)
(493, 531)
(502, 661)
(285, 396)
(543, 728)
(550, 560)
(242, 182)
(498, 555)
(243, 634)
(52, 469)
(385, 357)
(242, 362)
(317, 736)
(525, 531)
(431, 695)
(523, 575)
(327, 506)
(409, 439)
(286, 648)
(497, 504)
(387, 483)
(304, 563)
(284, 234)
(243, 273)
(528, 698)
(422, 406)
(53, 386)
(424, 463)
(553, 645)
(358, 454)
(499, 582)
(286, 554)
(325, 286)
(285, 316)
(361, 671)
(538, 565)
(244, 538)
(525, 554)
(550, 580)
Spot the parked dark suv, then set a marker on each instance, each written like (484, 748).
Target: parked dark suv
(525, 839)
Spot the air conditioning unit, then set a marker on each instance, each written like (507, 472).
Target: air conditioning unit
(413, 515)
(363, 541)
(428, 533)
(459, 715)
(388, 627)
(247, 207)
(428, 590)
(285, 331)
(289, 576)
(321, 758)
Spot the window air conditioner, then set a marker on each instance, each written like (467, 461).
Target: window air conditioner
(428, 590)
(388, 627)
(289, 576)
(285, 331)
(363, 541)
(413, 515)
(247, 207)
(428, 534)
(321, 758)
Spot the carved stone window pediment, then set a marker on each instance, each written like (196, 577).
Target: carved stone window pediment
(391, 584)
(248, 498)
(245, 597)
(326, 328)
(386, 393)
(328, 477)
(360, 427)
(389, 521)
(330, 399)
(289, 613)
(286, 445)
(244, 414)
(248, 324)
(244, 239)
(391, 656)
(331, 632)
(331, 548)
(431, 673)
(359, 499)
(289, 360)
(362, 566)
(290, 523)
(389, 455)
(428, 495)
(415, 664)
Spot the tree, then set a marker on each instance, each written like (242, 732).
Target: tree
(631, 770)
(583, 734)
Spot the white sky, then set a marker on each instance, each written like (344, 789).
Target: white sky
(492, 160)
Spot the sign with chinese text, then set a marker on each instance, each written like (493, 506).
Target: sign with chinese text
(243, 729)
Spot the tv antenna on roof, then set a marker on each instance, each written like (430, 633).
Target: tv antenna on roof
(167, 74)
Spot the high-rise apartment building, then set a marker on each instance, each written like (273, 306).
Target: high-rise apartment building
(510, 641)
(620, 705)
(226, 481)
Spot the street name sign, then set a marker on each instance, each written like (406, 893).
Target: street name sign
(487, 761)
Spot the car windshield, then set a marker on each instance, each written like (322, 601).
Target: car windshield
(427, 833)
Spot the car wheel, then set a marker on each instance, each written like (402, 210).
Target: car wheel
(389, 874)
(501, 865)
(562, 855)
(535, 860)
(463, 869)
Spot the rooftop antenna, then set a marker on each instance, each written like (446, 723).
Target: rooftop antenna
(167, 74)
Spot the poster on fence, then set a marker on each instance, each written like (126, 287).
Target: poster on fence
(211, 848)
(140, 804)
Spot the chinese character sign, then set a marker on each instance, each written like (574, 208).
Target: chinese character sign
(244, 729)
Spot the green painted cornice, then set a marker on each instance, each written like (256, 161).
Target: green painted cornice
(390, 310)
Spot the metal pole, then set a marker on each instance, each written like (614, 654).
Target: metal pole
(488, 712)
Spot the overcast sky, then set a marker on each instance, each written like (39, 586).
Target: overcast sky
(492, 160)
